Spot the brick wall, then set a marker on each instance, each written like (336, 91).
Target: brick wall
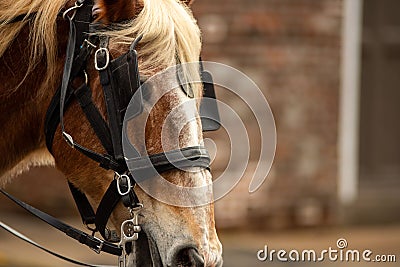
(291, 49)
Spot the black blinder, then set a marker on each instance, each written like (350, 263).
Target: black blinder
(126, 81)
(209, 114)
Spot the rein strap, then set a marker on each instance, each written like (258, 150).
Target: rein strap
(30, 241)
(93, 242)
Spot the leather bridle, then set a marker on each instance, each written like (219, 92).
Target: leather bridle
(120, 80)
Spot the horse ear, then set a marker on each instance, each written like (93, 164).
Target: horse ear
(109, 11)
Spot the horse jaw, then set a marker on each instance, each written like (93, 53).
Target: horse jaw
(37, 158)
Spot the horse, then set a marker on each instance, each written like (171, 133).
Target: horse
(32, 61)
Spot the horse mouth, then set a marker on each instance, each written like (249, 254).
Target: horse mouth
(145, 252)
(187, 257)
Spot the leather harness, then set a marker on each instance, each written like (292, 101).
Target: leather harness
(120, 80)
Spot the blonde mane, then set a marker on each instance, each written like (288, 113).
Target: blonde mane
(42, 37)
(170, 34)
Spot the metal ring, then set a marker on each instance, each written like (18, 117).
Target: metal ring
(129, 236)
(76, 6)
(105, 50)
(119, 187)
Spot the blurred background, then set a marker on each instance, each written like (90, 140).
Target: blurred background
(330, 70)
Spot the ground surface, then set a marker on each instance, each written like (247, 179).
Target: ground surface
(240, 247)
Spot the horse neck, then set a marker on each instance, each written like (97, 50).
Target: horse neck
(23, 105)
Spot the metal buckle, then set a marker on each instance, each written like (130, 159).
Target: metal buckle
(68, 139)
(119, 179)
(99, 247)
(98, 51)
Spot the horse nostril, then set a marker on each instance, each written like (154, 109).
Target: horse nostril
(188, 257)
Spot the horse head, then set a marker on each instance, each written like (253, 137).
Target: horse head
(172, 235)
